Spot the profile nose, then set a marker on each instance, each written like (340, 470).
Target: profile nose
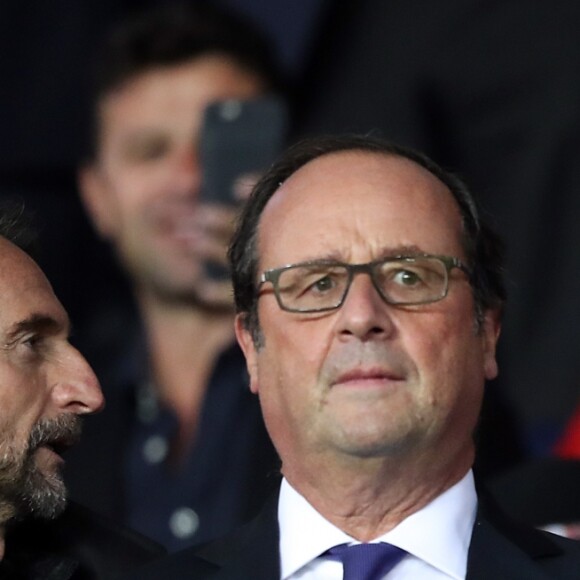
(187, 171)
(364, 313)
(76, 388)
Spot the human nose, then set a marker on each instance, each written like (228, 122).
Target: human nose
(364, 313)
(186, 171)
(76, 388)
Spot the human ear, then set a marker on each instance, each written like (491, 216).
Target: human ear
(490, 331)
(246, 342)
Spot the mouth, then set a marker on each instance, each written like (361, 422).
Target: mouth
(59, 445)
(56, 448)
(368, 378)
(175, 218)
(50, 438)
(51, 453)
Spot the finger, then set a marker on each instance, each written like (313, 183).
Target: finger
(211, 248)
(218, 218)
(244, 185)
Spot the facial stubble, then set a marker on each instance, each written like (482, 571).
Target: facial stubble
(25, 488)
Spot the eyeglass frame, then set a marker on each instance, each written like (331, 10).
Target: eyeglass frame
(272, 275)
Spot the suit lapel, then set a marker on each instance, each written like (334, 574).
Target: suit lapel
(501, 548)
(252, 552)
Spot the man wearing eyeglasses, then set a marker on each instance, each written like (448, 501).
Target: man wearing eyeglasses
(369, 296)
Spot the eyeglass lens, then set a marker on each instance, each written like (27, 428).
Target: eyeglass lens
(322, 286)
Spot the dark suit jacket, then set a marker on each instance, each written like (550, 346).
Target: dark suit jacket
(79, 545)
(500, 550)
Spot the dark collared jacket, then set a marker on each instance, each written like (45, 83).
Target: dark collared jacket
(79, 545)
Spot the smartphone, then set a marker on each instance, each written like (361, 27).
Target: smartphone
(239, 139)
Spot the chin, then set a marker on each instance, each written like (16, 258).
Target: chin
(43, 493)
(375, 442)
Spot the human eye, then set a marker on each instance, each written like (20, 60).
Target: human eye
(408, 277)
(27, 348)
(412, 280)
(34, 343)
(412, 272)
(147, 148)
(322, 284)
(311, 285)
(319, 280)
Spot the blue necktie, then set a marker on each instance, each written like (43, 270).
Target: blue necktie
(367, 561)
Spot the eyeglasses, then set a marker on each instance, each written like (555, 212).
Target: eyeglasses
(322, 285)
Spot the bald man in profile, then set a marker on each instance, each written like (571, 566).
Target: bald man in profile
(46, 386)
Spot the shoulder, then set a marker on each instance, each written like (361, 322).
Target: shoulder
(505, 548)
(200, 562)
(183, 565)
(100, 548)
(251, 551)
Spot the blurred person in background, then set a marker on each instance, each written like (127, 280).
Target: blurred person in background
(181, 453)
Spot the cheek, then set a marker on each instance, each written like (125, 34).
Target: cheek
(19, 414)
(127, 209)
(448, 355)
(283, 364)
(273, 394)
(301, 345)
(130, 184)
(130, 193)
(289, 365)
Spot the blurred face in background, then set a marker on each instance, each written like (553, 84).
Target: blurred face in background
(45, 384)
(142, 190)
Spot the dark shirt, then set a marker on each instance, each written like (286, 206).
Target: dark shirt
(122, 470)
(198, 500)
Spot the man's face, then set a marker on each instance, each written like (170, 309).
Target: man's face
(142, 191)
(368, 379)
(45, 384)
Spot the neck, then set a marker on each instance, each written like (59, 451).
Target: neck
(184, 343)
(367, 497)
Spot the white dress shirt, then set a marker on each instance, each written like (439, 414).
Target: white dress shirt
(436, 538)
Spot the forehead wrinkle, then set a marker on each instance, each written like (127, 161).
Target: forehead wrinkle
(396, 178)
(403, 250)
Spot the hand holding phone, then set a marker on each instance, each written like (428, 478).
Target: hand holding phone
(239, 141)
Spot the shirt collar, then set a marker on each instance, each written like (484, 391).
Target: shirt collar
(439, 533)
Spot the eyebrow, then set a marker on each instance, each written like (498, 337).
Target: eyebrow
(410, 251)
(140, 136)
(36, 322)
(392, 252)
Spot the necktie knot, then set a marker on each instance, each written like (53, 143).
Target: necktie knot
(367, 561)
